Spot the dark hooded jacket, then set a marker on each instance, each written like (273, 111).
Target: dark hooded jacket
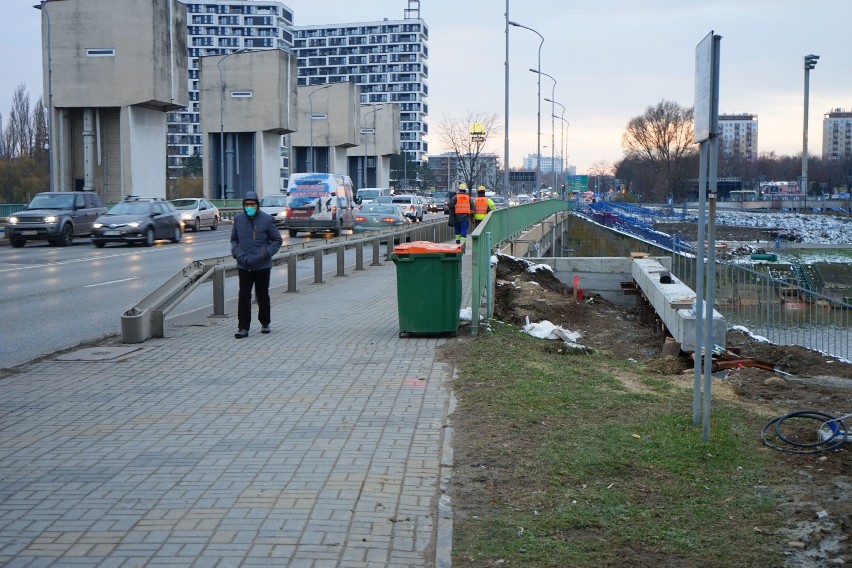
(254, 240)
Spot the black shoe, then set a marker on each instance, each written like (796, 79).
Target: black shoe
(265, 329)
(241, 333)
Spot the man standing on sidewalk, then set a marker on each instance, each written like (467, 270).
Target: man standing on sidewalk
(254, 240)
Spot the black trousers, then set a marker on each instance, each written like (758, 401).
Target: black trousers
(260, 280)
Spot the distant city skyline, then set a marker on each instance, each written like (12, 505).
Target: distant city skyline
(611, 60)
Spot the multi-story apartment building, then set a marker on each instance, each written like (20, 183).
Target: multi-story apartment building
(448, 171)
(837, 135)
(387, 59)
(218, 27)
(739, 136)
(548, 164)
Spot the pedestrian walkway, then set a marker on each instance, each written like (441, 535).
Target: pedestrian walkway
(322, 444)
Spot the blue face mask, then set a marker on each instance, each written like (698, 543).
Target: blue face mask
(250, 211)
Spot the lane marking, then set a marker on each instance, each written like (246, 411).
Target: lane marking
(110, 282)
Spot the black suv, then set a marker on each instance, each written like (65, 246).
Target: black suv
(56, 217)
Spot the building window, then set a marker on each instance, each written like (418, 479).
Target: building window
(100, 52)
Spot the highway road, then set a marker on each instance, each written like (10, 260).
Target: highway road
(53, 298)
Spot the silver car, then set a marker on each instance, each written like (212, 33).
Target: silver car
(275, 205)
(196, 213)
(413, 206)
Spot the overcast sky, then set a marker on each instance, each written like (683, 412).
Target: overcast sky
(611, 59)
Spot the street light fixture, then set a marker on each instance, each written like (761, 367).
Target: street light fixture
(810, 63)
(538, 100)
(222, 122)
(311, 120)
(552, 122)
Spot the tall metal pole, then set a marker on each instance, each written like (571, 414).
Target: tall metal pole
(562, 136)
(311, 121)
(538, 100)
(506, 112)
(552, 123)
(810, 63)
(43, 7)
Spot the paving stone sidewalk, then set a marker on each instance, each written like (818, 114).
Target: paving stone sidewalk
(322, 444)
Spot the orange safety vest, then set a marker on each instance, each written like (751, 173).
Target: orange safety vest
(462, 204)
(480, 206)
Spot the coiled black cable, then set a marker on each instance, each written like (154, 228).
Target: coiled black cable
(837, 429)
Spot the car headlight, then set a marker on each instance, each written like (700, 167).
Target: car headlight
(186, 216)
(134, 224)
(97, 225)
(50, 219)
(13, 220)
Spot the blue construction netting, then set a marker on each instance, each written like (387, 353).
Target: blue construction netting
(639, 222)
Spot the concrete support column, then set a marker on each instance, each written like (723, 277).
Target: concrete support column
(88, 149)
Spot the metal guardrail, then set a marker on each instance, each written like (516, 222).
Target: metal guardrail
(147, 318)
(498, 226)
(780, 308)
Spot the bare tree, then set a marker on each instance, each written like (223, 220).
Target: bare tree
(40, 133)
(662, 140)
(603, 172)
(457, 134)
(18, 137)
(3, 154)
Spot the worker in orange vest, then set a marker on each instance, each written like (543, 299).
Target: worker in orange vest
(481, 205)
(460, 205)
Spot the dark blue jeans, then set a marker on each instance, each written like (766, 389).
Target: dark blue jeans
(260, 280)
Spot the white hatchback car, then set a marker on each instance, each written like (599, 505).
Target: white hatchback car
(196, 213)
(413, 206)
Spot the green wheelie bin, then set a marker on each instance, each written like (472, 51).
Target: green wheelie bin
(428, 287)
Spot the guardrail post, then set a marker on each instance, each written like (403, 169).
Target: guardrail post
(489, 284)
(341, 268)
(376, 261)
(218, 292)
(359, 256)
(318, 267)
(389, 247)
(291, 273)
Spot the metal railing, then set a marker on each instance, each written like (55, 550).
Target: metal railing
(147, 318)
(779, 306)
(498, 226)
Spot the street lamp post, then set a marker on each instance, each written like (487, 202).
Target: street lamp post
(552, 122)
(506, 111)
(311, 121)
(810, 63)
(43, 7)
(562, 136)
(222, 122)
(538, 129)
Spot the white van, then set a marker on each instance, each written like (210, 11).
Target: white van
(369, 194)
(319, 203)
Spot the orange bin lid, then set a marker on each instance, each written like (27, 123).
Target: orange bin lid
(427, 247)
